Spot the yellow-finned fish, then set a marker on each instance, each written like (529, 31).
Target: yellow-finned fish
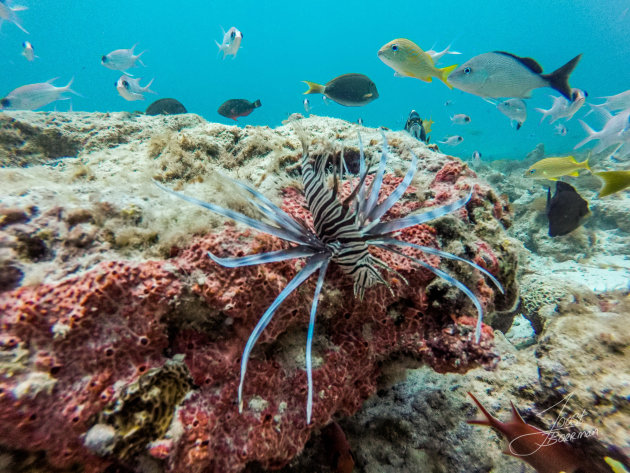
(553, 168)
(616, 466)
(614, 181)
(408, 60)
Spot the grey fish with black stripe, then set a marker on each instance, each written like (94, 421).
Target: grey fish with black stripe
(500, 74)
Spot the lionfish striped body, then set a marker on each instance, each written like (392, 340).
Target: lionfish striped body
(343, 232)
(337, 226)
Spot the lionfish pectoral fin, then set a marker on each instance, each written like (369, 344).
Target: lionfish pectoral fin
(443, 254)
(366, 206)
(449, 279)
(288, 235)
(309, 341)
(378, 211)
(301, 251)
(312, 265)
(411, 220)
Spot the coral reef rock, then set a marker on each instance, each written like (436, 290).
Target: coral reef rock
(121, 340)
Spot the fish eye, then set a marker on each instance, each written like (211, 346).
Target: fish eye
(394, 47)
(467, 70)
(104, 59)
(532, 171)
(233, 35)
(5, 102)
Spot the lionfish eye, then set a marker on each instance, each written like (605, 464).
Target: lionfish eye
(467, 70)
(394, 47)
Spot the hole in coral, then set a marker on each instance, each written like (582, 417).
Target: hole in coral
(33, 417)
(144, 341)
(55, 370)
(109, 352)
(195, 423)
(142, 368)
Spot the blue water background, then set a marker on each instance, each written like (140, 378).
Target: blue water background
(287, 42)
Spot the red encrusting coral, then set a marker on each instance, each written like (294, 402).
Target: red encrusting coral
(87, 337)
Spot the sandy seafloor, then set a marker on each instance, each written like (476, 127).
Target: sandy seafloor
(570, 333)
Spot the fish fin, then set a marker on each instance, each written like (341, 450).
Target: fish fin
(444, 73)
(544, 113)
(140, 60)
(519, 125)
(516, 416)
(528, 62)
(559, 79)
(614, 181)
(19, 8)
(589, 131)
(548, 200)
(585, 163)
(314, 88)
(257, 103)
(50, 81)
(146, 87)
(68, 89)
(488, 420)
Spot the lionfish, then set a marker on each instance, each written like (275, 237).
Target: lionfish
(342, 233)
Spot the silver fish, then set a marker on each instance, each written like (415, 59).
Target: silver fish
(452, 140)
(121, 59)
(515, 110)
(130, 89)
(27, 51)
(620, 101)
(231, 42)
(460, 119)
(500, 74)
(307, 106)
(613, 132)
(7, 13)
(437, 55)
(563, 108)
(561, 129)
(34, 96)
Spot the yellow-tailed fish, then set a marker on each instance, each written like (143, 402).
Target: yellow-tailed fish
(553, 168)
(408, 60)
(427, 124)
(617, 467)
(614, 181)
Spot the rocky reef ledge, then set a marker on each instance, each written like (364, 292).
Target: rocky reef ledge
(121, 340)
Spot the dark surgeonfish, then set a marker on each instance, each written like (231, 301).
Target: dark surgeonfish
(237, 108)
(565, 210)
(417, 127)
(499, 74)
(166, 107)
(351, 90)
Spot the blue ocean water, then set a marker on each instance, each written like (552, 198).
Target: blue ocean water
(287, 42)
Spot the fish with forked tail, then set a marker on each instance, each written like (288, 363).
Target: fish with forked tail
(500, 74)
(408, 60)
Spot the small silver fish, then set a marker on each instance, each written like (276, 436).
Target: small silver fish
(500, 74)
(561, 129)
(34, 96)
(231, 42)
(307, 106)
(121, 59)
(515, 110)
(27, 51)
(130, 89)
(460, 119)
(452, 140)
(437, 55)
(7, 13)
(360, 121)
(476, 158)
(449, 103)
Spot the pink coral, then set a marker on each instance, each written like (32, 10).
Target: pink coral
(92, 334)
